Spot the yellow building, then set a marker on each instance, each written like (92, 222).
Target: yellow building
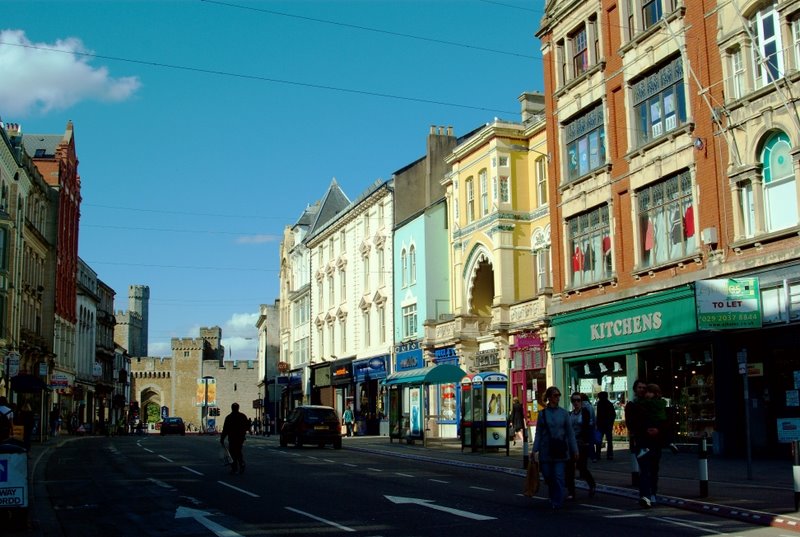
(499, 250)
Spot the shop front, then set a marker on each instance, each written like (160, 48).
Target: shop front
(653, 338)
(321, 388)
(446, 397)
(528, 379)
(342, 383)
(370, 404)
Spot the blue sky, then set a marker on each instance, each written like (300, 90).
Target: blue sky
(203, 128)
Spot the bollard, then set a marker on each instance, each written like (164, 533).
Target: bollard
(796, 473)
(634, 467)
(525, 457)
(702, 462)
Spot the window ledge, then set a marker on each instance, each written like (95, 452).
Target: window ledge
(787, 81)
(598, 67)
(650, 272)
(604, 169)
(685, 129)
(576, 291)
(758, 241)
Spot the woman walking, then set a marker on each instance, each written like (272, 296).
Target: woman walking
(584, 436)
(554, 445)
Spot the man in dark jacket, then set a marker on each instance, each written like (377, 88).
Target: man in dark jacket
(235, 429)
(640, 434)
(606, 415)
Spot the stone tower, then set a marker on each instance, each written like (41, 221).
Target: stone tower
(139, 302)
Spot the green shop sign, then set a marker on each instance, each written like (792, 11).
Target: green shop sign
(627, 322)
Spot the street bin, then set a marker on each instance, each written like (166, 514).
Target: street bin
(13, 484)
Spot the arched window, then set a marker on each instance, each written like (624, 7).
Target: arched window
(412, 265)
(403, 268)
(780, 190)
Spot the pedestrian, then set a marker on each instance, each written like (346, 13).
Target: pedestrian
(606, 416)
(6, 419)
(235, 430)
(583, 429)
(592, 423)
(348, 420)
(250, 425)
(55, 417)
(267, 425)
(554, 445)
(517, 420)
(643, 439)
(27, 419)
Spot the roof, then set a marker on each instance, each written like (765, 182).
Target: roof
(436, 374)
(331, 204)
(41, 145)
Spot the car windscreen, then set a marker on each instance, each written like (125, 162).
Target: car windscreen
(320, 415)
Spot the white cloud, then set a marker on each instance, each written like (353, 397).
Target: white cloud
(40, 77)
(257, 239)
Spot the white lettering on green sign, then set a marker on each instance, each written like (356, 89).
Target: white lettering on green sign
(624, 327)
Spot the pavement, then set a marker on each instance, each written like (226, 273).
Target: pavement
(761, 493)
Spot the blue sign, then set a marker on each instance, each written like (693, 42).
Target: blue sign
(370, 368)
(411, 359)
(164, 412)
(446, 355)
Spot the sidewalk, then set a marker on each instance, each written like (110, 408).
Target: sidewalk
(766, 500)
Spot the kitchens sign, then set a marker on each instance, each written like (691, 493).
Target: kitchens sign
(660, 315)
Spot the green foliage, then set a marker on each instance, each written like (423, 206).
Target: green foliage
(153, 413)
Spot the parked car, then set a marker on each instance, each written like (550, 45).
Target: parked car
(312, 424)
(173, 425)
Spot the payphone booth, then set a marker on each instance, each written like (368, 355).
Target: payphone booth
(484, 402)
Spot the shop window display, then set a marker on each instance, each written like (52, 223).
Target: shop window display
(602, 375)
(694, 377)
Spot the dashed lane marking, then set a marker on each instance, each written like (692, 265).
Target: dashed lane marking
(238, 489)
(191, 470)
(319, 519)
(442, 481)
(401, 474)
(481, 488)
(166, 459)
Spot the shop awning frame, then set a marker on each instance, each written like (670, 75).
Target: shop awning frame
(436, 374)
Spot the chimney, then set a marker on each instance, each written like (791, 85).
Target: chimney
(14, 133)
(532, 105)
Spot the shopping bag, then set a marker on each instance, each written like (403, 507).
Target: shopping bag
(532, 479)
(225, 455)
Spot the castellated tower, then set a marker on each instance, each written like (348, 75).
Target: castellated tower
(177, 381)
(139, 301)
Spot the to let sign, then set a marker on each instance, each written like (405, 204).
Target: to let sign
(728, 304)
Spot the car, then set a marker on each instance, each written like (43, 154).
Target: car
(312, 424)
(173, 425)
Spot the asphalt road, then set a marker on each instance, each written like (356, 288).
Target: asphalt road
(143, 486)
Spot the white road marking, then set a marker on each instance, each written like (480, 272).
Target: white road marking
(685, 524)
(350, 464)
(401, 474)
(238, 489)
(628, 515)
(319, 519)
(481, 488)
(375, 469)
(328, 460)
(430, 504)
(193, 471)
(200, 516)
(149, 450)
(713, 525)
(166, 459)
(601, 507)
(440, 481)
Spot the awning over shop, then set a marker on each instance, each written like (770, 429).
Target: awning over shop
(27, 384)
(437, 374)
